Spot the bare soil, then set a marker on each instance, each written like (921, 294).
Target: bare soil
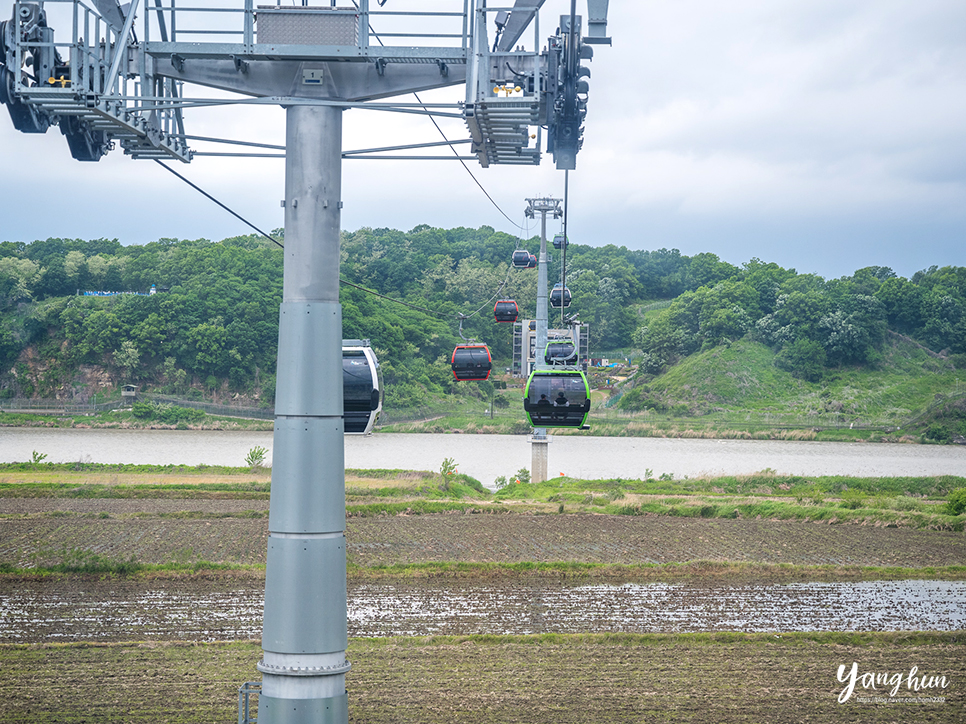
(34, 531)
(511, 680)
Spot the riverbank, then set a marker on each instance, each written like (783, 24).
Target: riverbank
(602, 424)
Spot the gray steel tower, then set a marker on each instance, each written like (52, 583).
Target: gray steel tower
(539, 440)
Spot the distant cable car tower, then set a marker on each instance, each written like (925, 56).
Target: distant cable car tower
(107, 84)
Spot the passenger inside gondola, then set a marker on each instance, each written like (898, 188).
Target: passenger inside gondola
(557, 400)
(560, 404)
(505, 310)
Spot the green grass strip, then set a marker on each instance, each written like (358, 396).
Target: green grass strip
(376, 473)
(870, 639)
(124, 468)
(175, 491)
(692, 570)
(806, 488)
(418, 507)
(80, 562)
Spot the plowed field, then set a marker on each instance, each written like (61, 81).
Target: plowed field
(604, 679)
(235, 531)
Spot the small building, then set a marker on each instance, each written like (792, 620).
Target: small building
(128, 394)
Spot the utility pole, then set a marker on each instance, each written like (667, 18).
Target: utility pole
(304, 636)
(539, 440)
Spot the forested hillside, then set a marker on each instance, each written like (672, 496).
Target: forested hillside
(212, 325)
(811, 323)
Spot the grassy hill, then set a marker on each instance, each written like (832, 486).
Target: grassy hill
(741, 379)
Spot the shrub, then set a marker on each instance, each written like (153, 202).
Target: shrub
(640, 399)
(256, 457)
(904, 502)
(804, 358)
(937, 432)
(446, 470)
(143, 410)
(170, 414)
(853, 499)
(956, 502)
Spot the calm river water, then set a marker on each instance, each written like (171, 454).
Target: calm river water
(487, 456)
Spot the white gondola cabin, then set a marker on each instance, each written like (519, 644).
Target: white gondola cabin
(361, 387)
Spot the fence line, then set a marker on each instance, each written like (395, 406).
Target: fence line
(41, 406)
(599, 414)
(255, 413)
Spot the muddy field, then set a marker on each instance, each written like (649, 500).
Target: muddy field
(222, 608)
(33, 531)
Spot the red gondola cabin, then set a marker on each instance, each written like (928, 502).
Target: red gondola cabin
(471, 362)
(506, 310)
(521, 259)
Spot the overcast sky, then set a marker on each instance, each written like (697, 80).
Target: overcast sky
(824, 135)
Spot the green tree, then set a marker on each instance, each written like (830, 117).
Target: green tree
(207, 348)
(127, 358)
(102, 332)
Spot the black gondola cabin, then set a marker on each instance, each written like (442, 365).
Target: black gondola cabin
(471, 362)
(557, 398)
(559, 296)
(521, 259)
(506, 310)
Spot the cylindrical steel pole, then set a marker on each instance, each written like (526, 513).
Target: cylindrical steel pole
(539, 441)
(304, 636)
(542, 311)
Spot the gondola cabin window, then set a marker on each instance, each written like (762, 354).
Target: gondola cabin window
(560, 352)
(557, 398)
